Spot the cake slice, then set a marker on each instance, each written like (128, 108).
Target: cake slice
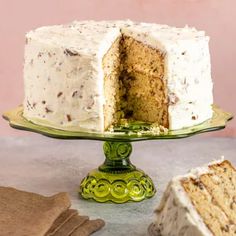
(202, 202)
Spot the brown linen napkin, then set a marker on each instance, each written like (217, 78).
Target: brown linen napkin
(88, 228)
(71, 225)
(61, 220)
(76, 225)
(26, 214)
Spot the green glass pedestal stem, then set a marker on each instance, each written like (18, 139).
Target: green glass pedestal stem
(117, 157)
(117, 180)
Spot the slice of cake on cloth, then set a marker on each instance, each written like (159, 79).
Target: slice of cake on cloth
(201, 203)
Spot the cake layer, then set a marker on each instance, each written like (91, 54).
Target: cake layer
(201, 203)
(225, 197)
(145, 98)
(111, 67)
(146, 91)
(139, 57)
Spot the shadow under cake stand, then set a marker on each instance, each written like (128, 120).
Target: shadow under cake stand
(117, 179)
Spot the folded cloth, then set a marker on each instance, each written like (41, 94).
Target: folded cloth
(72, 224)
(88, 228)
(26, 214)
(61, 220)
(30, 214)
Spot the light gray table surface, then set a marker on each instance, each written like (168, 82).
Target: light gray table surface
(47, 166)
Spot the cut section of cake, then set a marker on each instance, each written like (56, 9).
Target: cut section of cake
(143, 79)
(201, 203)
(88, 75)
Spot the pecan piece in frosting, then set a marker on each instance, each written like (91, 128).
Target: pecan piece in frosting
(71, 52)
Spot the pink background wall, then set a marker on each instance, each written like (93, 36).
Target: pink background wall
(216, 17)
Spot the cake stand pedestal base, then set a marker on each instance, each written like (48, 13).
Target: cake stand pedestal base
(117, 180)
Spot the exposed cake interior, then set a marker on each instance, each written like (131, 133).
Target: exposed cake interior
(111, 69)
(214, 197)
(134, 84)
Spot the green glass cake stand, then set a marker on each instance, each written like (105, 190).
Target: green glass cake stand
(117, 179)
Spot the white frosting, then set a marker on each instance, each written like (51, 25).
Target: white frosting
(176, 214)
(65, 90)
(49, 70)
